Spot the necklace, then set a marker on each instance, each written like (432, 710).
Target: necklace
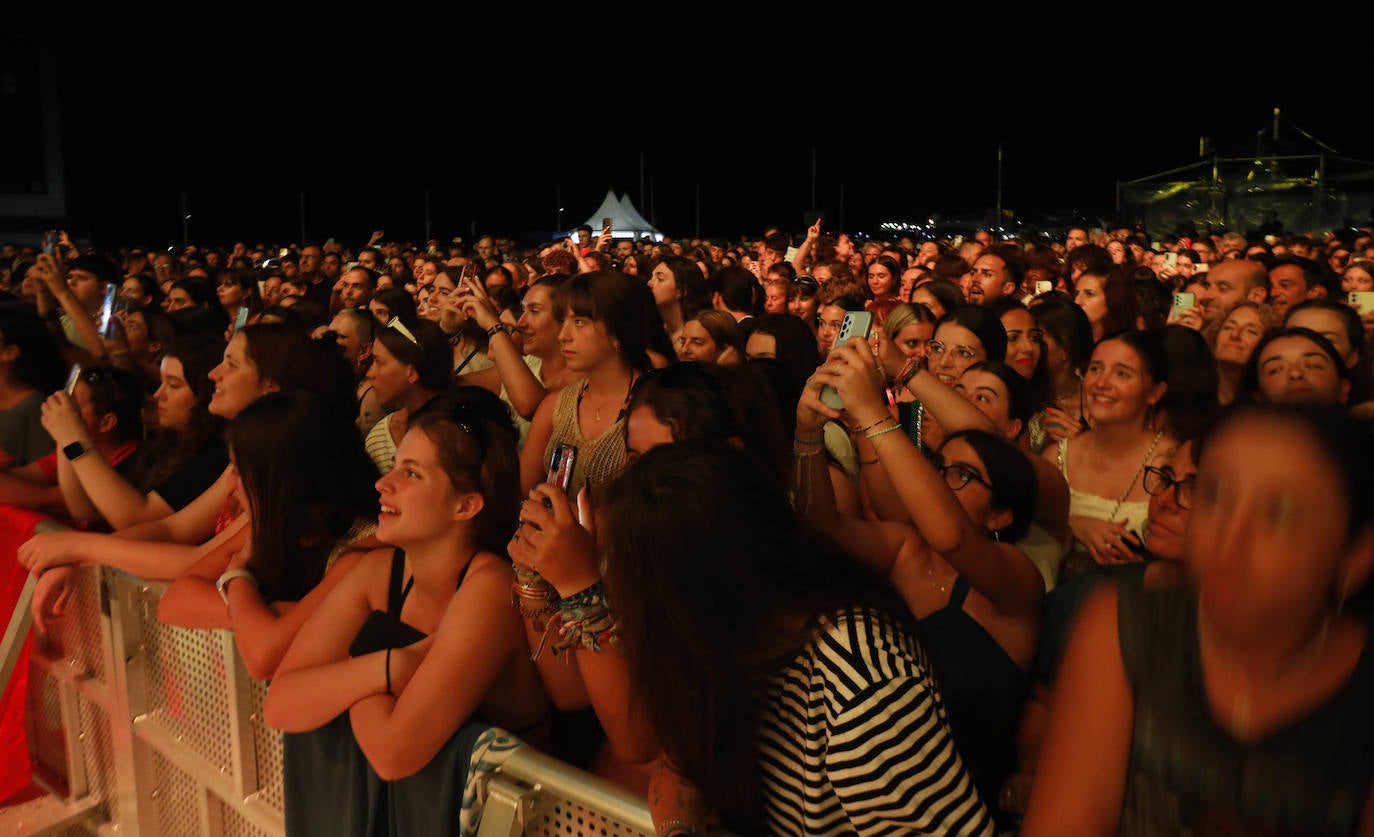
(586, 383)
(1138, 471)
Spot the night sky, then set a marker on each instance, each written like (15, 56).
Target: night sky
(724, 149)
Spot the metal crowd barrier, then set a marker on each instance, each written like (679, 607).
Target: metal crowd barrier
(138, 728)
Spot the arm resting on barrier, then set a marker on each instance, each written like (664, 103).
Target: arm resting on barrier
(150, 560)
(316, 680)
(479, 637)
(192, 524)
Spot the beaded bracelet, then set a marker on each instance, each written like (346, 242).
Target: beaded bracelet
(584, 619)
(800, 441)
(873, 434)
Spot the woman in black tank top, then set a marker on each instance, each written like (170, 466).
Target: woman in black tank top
(420, 639)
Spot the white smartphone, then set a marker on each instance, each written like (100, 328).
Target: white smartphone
(1183, 301)
(854, 324)
(107, 310)
(1362, 301)
(1044, 286)
(73, 375)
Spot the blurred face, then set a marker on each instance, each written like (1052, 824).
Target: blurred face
(538, 326)
(1167, 524)
(357, 288)
(1294, 370)
(1238, 335)
(822, 273)
(663, 286)
(912, 341)
(349, 343)
(1091, 299)
(761, 345)
(178, 299)
(175, 398)
(132, 290)
(987, 279)
(1024, 341)
(310, 259)
(881, 282)
(1330, 325)
(924, 297)
(390, 378)
(988, 393)
(135, 326)
(644, 431)
(1117, 251)
(231, 293)
(417, 497)
(1118, 386)
(271, 290)
(237, 383)
(1075, 238)
(775, 299)
(1253, 514)
(697, 344)
(803, 307)
(828, 327)
(1287, 287)
(1357, 278)
(954, 349)
(87, 287)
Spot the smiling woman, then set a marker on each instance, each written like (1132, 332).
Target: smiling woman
(1124, 386)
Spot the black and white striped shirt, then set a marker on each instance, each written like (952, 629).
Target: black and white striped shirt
(854, 739)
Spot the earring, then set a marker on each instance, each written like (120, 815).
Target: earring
(996, 537)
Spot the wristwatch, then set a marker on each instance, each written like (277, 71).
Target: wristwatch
(222, 583)
(75, 451)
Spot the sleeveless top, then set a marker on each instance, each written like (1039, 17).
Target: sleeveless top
(384, 628)
(599, 460)
(1187, 775)
(983, 688)
(1104, 508)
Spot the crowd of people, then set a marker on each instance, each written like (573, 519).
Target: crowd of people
(795, 535)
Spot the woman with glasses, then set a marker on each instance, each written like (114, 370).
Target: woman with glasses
(419, 639)
(977, 595)
(1236, 703)
(1124, 387)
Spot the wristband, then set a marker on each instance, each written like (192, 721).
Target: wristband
(222, 583)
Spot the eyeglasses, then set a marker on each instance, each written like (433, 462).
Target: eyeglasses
(1159, 480)
(395, 322)
(957, 475)
(806, 282)
(935, 347)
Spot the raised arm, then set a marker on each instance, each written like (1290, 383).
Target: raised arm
(90, 480)
(523, 387)
(1001, 572)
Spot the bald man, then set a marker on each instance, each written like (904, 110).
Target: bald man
(1228, 282)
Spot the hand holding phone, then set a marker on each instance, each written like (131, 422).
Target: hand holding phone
(854, 324)
(1362, 301)
(1183, 301)
(561, 468)
(73, 375)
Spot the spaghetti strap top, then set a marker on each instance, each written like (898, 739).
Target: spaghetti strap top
(384, 628)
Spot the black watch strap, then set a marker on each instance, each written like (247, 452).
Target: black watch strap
(75, 451)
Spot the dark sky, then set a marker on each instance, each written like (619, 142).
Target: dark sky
(463, 138)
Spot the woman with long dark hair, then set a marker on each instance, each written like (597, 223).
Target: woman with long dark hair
(306, 482)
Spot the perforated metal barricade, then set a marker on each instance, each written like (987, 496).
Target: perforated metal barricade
(139, 728)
